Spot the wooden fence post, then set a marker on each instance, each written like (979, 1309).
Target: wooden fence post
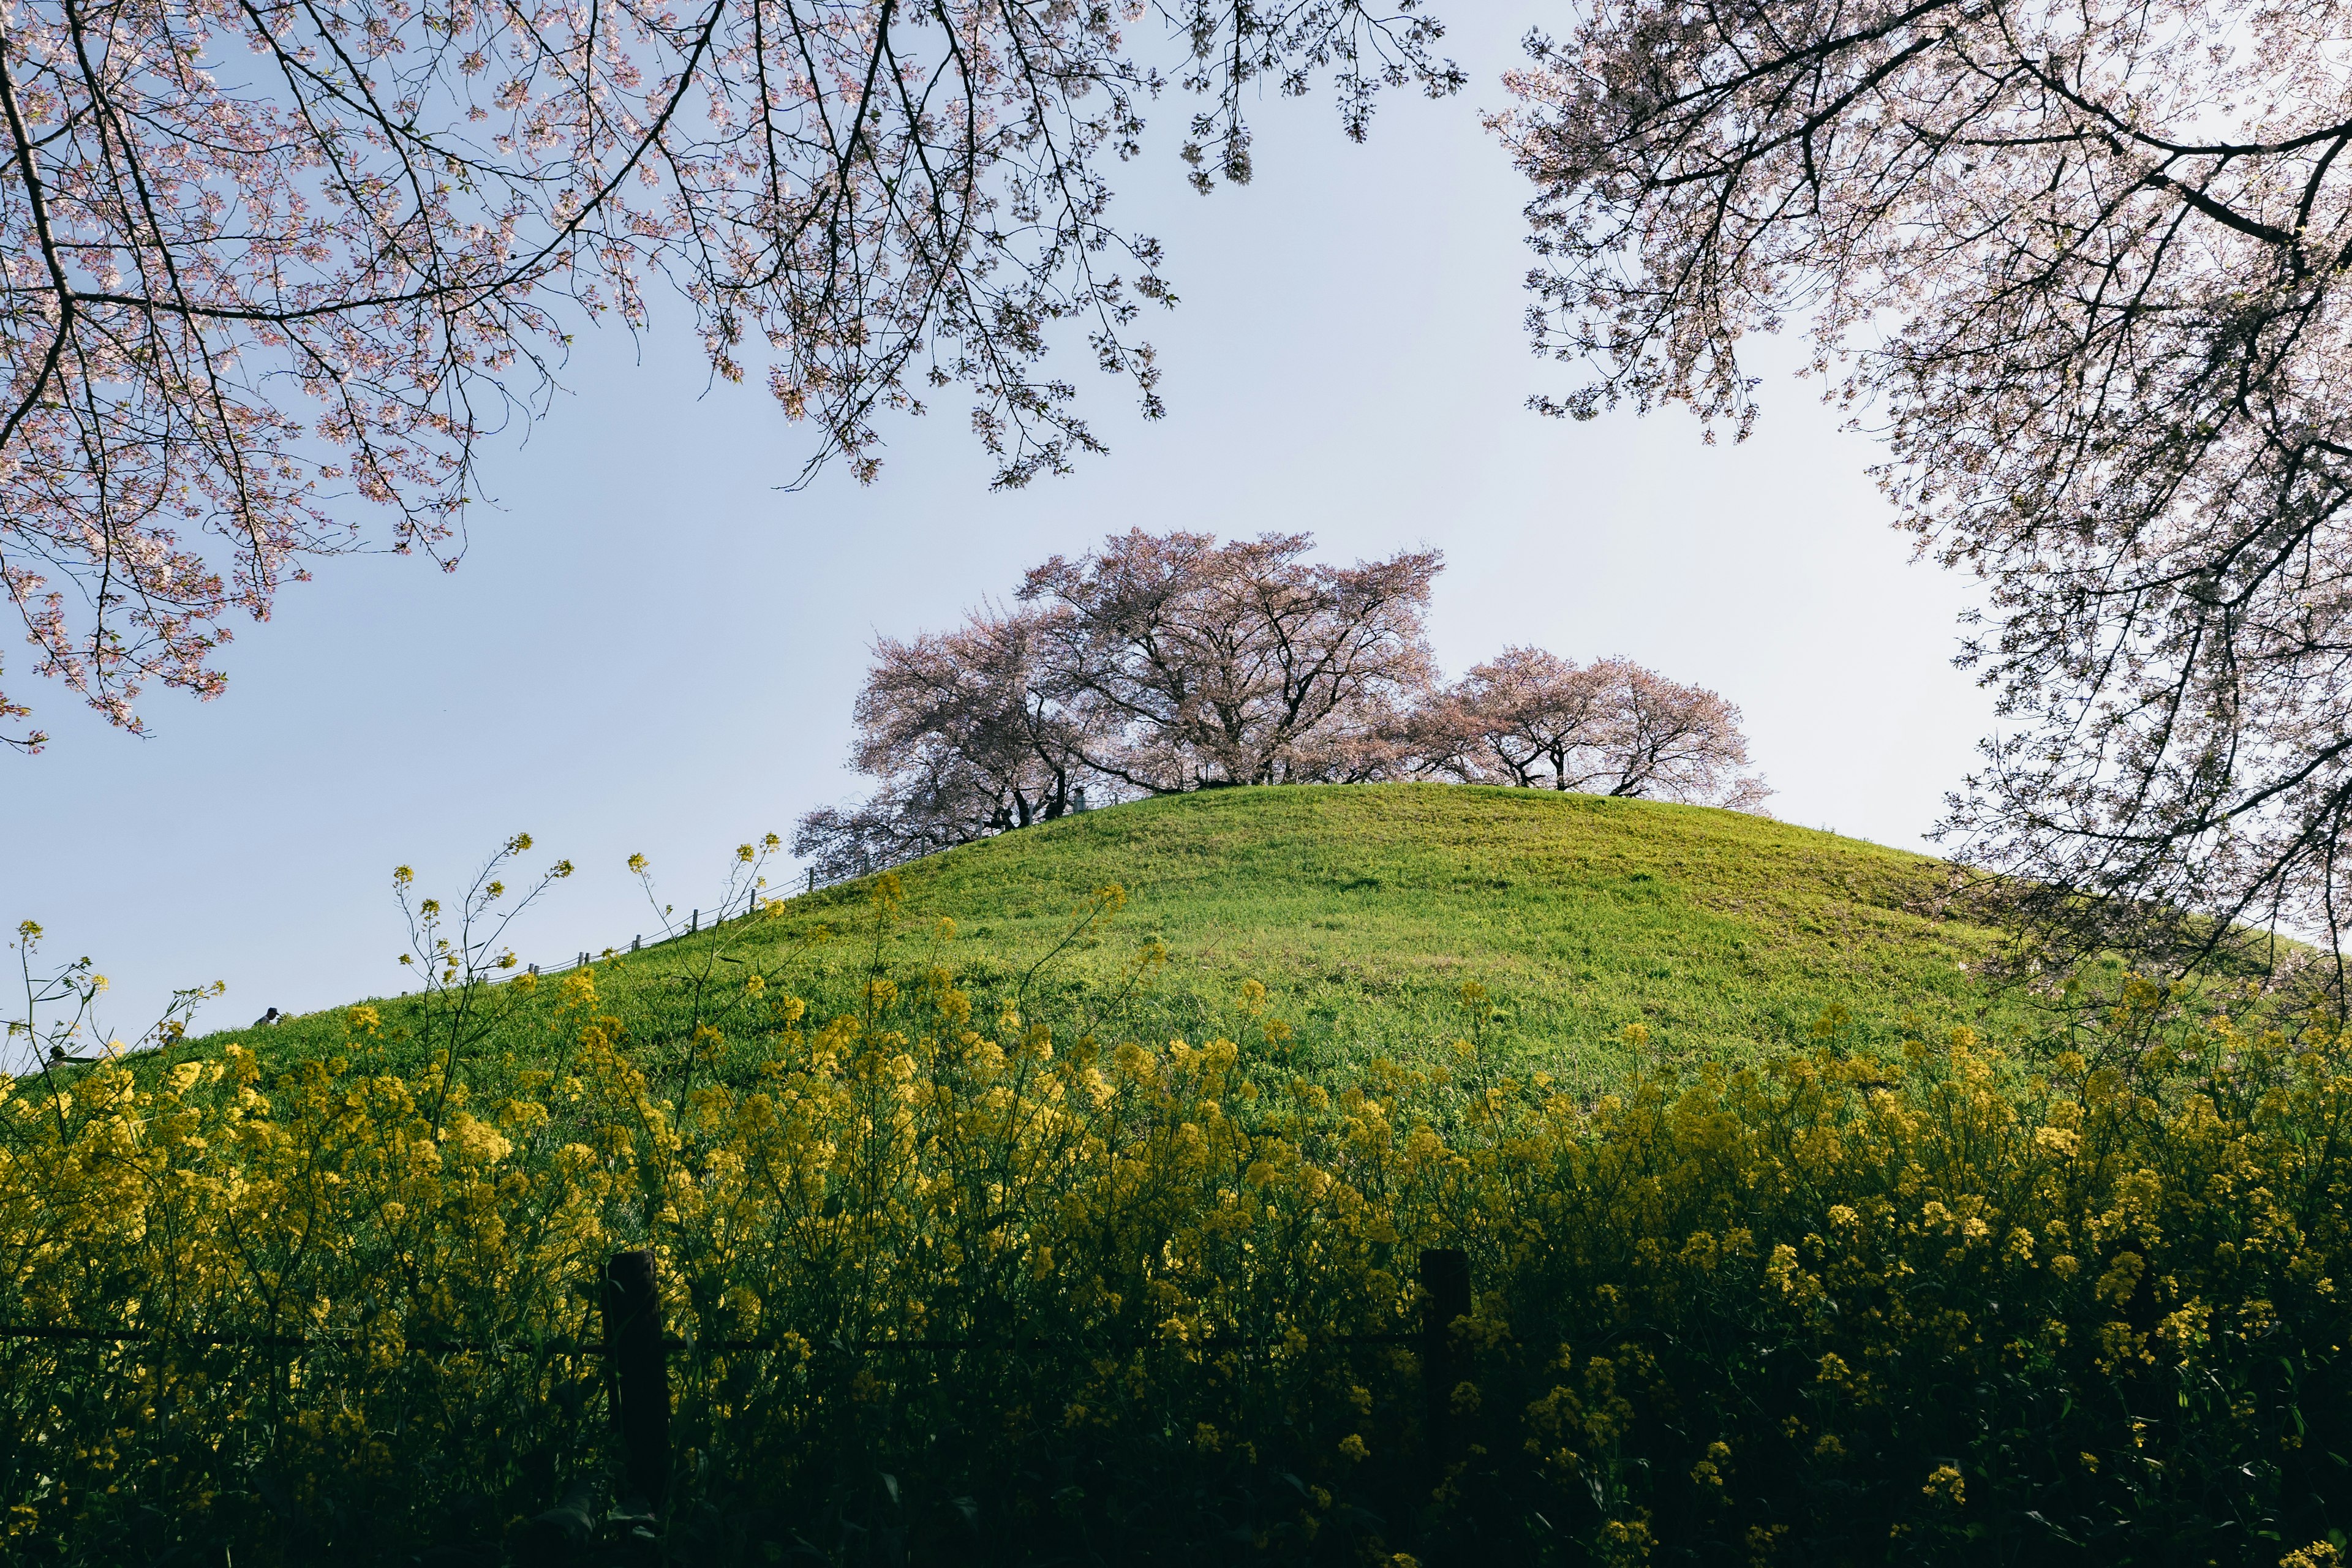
(1444, 1296)
(632, 1346)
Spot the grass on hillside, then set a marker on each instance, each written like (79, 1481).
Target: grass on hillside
(333, 1308)
(1365, 911)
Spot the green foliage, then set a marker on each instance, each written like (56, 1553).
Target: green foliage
(1364, 910)
(952, 1282)
(969, 1256)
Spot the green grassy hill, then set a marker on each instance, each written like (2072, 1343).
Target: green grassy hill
(1365, 911)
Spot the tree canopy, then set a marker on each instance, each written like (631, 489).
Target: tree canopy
(273, 270)
(1160, 664)
(1612, 726)
(2083, 266)
(1187, 662)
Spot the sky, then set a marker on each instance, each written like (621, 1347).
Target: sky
(651, 646)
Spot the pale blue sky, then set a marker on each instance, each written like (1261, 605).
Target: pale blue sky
(651, 647)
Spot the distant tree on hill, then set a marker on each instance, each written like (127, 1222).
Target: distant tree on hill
(966, 739)
(935, 805)
(978, 693)
(1157, 665)
(1192, 663)
(1525, 717)
(1613, 727)
(1163, 663)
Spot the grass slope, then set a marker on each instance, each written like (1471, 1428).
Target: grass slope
(1365, 910)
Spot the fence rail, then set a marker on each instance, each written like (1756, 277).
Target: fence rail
(637, 1351)
(673, 1342)
(720, 917)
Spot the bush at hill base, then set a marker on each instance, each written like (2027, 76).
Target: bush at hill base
(1953, 1307)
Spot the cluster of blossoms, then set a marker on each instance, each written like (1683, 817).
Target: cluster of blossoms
(268, 274)
(932, 1275)
(1160, 664)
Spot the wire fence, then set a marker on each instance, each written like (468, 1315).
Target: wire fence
(725, 912)
(637, 1352)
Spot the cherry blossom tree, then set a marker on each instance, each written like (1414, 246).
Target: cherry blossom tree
(1613, 727)
(1197, 663)
(1525, 717)
(2083, 266)
(933, 802)
(270, 271)
(1673, 741)
(1160, 664)
(1164, 663)
(967, 739)
(978, 692)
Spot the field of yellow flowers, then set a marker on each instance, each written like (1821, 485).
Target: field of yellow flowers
(949, 1284)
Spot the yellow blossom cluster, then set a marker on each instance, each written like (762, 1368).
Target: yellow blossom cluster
(1160, 1301)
